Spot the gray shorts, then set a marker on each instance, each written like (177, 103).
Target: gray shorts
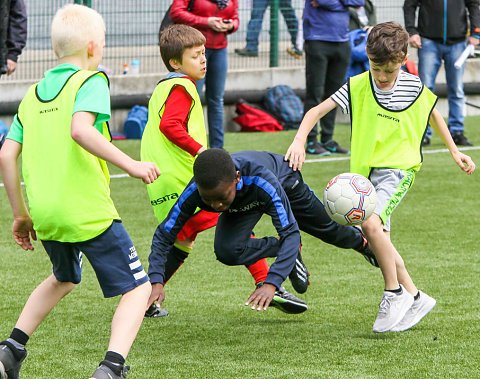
(391, 185)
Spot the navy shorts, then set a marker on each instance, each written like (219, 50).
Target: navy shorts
(111, 254)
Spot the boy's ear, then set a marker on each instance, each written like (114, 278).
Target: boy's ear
(90, 48)
(175, 63)
(405, 59)
(237, 177)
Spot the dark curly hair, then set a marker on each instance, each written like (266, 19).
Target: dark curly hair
(212, 167)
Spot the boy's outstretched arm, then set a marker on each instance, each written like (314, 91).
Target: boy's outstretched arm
(296, 151)
(83, 132)
(22, 227)
(462, 160)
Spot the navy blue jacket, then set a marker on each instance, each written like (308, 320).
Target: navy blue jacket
(263, 175)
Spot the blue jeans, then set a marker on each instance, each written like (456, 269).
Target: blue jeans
(430, 58)
(256, 18)
(214, 81)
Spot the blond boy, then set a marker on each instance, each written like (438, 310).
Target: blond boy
(61, 131)
(389, 111)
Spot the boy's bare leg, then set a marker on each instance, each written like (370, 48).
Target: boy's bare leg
(128, 318)
(383, 249)
(41, 301)
(402, 274)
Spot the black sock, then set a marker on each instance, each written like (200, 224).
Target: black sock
(19, 336)
(397, 291)
(114, 357)
(417, 296)
(114, 362)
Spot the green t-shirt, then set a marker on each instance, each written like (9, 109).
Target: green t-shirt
(67, 187)
(93, 96)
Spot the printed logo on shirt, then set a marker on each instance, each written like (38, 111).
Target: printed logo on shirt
(161, 200)
(386, 116)
(248, 207)
(48, 110)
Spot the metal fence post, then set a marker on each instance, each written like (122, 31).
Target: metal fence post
(274, 33)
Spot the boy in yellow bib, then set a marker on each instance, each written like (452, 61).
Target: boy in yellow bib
(61, 131)
(173, 137)
(389, 111)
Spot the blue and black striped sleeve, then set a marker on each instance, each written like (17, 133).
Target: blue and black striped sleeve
(277, 206)
(166, 233)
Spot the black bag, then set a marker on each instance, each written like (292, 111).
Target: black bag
(167, 18)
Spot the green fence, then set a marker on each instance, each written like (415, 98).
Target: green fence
(132, 32)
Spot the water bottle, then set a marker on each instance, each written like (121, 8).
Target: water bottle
(125, 69)
(135, 66)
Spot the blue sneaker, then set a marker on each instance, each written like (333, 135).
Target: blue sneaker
(334, 147)
(314, 148)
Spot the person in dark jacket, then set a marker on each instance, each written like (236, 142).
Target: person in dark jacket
(215, 19)
(440, 34)
(13, 34)
(362, 17)
(327, 56)
(244, 186)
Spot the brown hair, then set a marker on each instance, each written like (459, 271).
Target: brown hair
(175, 39)
(387, 42)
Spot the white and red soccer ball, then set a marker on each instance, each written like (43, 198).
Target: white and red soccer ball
(349, 199)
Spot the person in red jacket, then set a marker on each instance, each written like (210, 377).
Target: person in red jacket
(215, 19)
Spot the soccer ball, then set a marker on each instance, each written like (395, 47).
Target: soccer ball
(349, 199)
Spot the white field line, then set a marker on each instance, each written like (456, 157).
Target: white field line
(321, 160)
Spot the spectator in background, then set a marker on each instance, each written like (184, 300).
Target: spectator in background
(362, 17)
(215, 19)
(327, 56)
(441, 35)
(13, 34)
(255, 27)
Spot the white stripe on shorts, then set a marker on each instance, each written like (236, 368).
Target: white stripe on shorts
(135, 264)
(140, 275)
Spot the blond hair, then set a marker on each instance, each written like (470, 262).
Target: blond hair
(73, 27)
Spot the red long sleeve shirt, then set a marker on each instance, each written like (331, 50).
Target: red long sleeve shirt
(173, 123)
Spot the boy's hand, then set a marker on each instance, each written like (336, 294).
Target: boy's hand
(296, 154)
(464, 162)
(158, 295)
(261, 297)
(147, 171)
(22, 229)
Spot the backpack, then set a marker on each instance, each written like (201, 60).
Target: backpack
(135, 123)
(253, 119)
(284, 104)
(3, 132)
(167, 18)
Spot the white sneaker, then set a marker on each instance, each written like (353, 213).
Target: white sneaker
(393, 308)
(419, 310)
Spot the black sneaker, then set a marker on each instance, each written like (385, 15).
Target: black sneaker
(334, 147)
(286, 302)
(294, 52)
(299, 275)
(366, 251)
(461, 140)
(314, 148)
(154, 311)
(426, 141)
(10, 360)
(105, 372)
(246, 52)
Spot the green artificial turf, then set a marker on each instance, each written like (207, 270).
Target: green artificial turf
(211, 334)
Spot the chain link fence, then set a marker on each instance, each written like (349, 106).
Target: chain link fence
(132, 32)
